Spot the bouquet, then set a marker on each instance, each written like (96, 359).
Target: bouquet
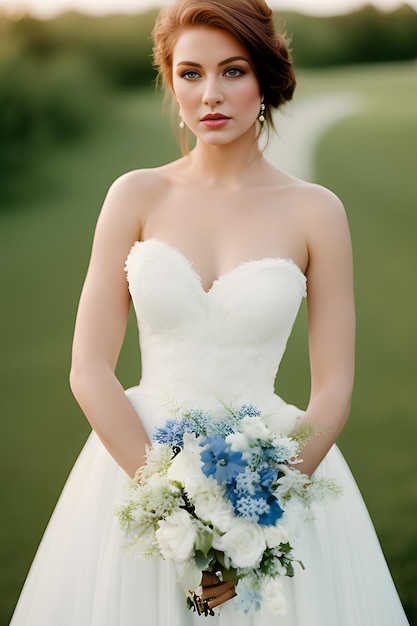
(219, 493)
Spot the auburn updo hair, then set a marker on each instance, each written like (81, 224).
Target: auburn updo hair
(251, 22)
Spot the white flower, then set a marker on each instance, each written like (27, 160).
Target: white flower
(292, 483)
(156, 499)
(274, 597)
(176, 536)
(275, 535)
(287, 447)
(212, 506)
(239, 443)
(283, 421)
(244, 543)
(255, 428)
(186, 466)
(294, 517)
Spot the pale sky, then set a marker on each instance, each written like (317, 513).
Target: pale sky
(49, 8)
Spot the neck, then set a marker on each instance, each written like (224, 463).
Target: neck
(228, 163)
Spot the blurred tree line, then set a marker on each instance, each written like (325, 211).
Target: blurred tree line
(56, 75)
(365, 36)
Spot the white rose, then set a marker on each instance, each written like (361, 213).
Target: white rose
(244, 543)
(274, 597)
(212, 506)
(176, 536)
(274, 535)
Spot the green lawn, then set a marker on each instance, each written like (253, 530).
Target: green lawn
(368, 160)
(375, 174)
(45, 242)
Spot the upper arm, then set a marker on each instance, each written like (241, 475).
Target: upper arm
(104, 303)
(331, 315)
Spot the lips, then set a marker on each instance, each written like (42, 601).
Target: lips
(214, 120)
(214, 116)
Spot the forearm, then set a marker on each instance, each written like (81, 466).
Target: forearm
(110, 413)
(328, 409)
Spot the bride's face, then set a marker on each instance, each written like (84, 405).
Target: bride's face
(215, 85)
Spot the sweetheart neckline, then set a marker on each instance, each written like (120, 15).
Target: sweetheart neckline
(287, 261)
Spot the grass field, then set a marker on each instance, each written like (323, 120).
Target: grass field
(369, 160)
(375, 174)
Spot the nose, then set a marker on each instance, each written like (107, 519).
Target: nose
(212, 94)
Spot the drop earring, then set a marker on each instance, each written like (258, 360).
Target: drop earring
(261, 116)
(181, 122)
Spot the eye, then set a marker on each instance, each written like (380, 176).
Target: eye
(234, 72)
(190, 75)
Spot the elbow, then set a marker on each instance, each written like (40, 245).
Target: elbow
(333, 400)
(87, 375)
(343, 403)
(346, 405)
(77, 378)
(80, 377)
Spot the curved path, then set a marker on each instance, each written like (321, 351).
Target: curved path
(302, 124)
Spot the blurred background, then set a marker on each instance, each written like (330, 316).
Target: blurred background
(78, 107)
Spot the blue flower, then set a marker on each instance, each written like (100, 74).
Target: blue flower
(232, 492)
(262, 508)
(252, 507)
(267, 478)
(248, 481)
(221, 428)
(219, 460)
(279, 453)
(248, 410)
(273, 515)
(172, 434)
(248, 600)
(251, 494)
(201, 420)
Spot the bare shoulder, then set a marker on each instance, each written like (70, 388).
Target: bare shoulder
(321, 221)
(317, 208)
(322, 210)
(139, 186)
(326, 229)
(132, 197)
(322, 203)
(312, 200)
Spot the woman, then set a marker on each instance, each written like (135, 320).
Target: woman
(221, 245)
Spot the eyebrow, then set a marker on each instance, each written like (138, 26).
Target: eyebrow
(225, 62)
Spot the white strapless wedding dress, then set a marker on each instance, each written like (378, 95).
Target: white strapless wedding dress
(198, 347)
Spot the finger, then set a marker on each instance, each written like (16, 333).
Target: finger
(215, 591)
(228, 595)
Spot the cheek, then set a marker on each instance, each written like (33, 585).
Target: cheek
(249, 95)
(184, 96)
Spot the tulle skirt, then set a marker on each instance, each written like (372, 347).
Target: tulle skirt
(82, 577)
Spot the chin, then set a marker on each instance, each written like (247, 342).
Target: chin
(221, 140)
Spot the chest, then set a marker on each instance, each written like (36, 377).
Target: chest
(219, 230)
